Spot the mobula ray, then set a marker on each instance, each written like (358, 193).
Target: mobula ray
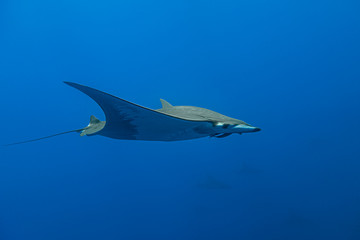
(129, 121)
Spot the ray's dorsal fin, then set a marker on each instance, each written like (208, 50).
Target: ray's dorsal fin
(165, 104)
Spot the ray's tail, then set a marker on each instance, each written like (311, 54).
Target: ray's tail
(94, 127)
(50, 136)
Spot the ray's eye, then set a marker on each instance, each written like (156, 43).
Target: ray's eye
(225, 126)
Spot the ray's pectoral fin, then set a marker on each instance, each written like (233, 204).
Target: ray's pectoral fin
(204, 129)
(94, 126)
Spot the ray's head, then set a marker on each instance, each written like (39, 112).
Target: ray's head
(246, 128)
(240, 127)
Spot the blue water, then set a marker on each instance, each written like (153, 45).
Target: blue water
(288, 67)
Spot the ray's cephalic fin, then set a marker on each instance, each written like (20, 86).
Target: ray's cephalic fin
(220, 135)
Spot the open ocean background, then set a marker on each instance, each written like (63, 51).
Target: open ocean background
(291, 68)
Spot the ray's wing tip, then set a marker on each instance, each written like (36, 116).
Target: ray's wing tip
(72, 84)
(77, 86)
